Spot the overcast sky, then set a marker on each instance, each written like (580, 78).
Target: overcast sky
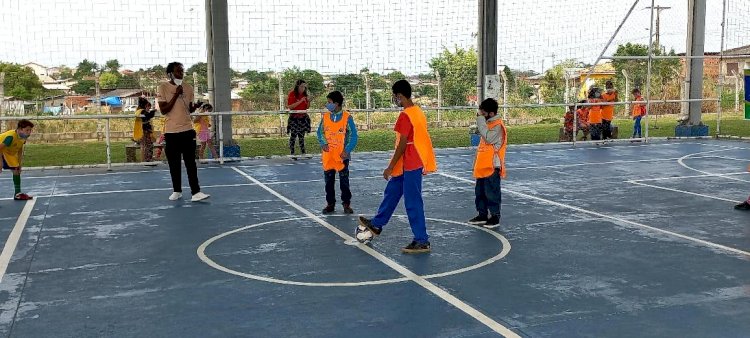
(334, 36)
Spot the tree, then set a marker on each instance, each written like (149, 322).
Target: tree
(127, 81)
(262, 90)
(112, 66)
(83, 86)
(21, 82)
(199, 72)
(85, 68)
(662, 70)
(458, 72)
(553, 83)
(108, 81)
(65, 73)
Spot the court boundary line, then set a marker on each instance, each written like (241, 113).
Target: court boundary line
(429, 286)
(107, 192)
(682, 159)
(616, 219)
(683, 192)
(15, 235)
(689, 176)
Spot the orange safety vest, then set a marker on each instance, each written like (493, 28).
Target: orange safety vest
(335, 134)
(484, 163)
(595, 112)
(639, 109)
(608, 112)
(422, 143)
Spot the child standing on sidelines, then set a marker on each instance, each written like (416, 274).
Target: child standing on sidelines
(595, 114)
(11, 151)
(567, 124)
(413, 157)
(608, 111)
(639, 111)
(489, 165)
(583, 121)
(202, 125)
(143, 131)
(337, 135)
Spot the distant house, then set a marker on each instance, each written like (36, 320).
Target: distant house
(713, 67)
(735, 66)
(42, 72)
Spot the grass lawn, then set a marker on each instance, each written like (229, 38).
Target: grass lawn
(95, 152)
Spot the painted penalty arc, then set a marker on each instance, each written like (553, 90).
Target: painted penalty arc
(201, 251)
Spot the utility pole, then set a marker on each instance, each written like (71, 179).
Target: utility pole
(658, 21)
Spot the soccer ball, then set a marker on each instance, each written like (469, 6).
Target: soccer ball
(363, 234)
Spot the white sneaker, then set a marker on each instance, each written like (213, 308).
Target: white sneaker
(199, 197)
(175, 196)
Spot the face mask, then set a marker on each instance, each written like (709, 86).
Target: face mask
(23, 135)
(331, 107)
(177, 81)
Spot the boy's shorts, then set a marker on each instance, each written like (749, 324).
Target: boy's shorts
(5, 164)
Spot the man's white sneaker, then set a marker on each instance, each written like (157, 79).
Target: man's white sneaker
(199, 197)
(175, 196)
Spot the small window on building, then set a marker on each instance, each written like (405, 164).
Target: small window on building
(733, 68)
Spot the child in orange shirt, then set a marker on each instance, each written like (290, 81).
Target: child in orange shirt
(639, 111)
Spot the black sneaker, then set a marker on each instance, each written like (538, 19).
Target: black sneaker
(416, 248)
(493, 222)
(348, 209)
(479, 220)
(743, 206)
(367, 223)
(329, 209)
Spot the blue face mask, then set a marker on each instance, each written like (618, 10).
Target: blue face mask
(23, 135)
(331, 107)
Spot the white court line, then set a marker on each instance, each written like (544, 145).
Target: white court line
(593, 163)
(616, 219)
(106, 192)
(15, 235)
(429, 286)
(101, 174)
(681, 161)
(730, 158)
(691, 176)
(682, 191)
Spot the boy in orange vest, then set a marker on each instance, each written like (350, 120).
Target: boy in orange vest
(595, 114)
(608, 111)
(413, 157)
(639, 111)
(337, 135)
(489, 165)
(11, 154)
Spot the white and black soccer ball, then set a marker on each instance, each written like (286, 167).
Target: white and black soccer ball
(363, 234)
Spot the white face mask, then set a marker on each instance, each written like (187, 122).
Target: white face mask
(177, 81)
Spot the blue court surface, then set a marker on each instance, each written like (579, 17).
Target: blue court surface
(617, 240)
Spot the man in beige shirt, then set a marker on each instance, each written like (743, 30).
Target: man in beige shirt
(176, 104)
